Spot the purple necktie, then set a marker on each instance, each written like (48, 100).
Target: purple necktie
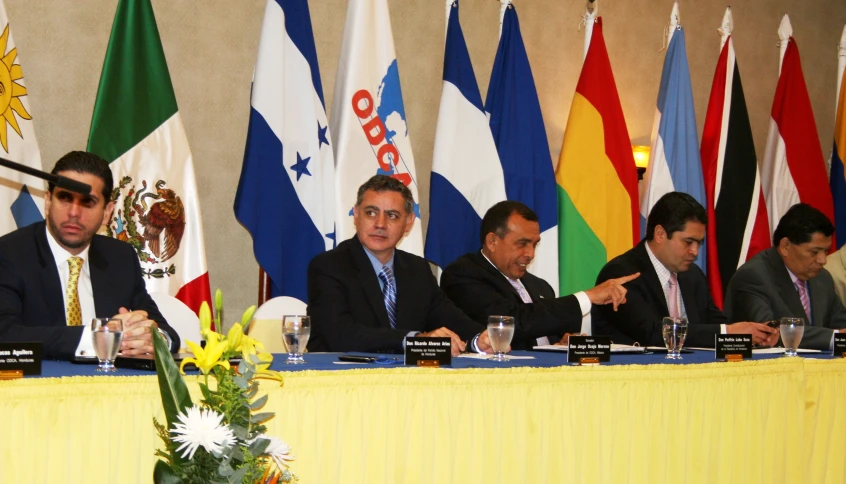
(803, 296)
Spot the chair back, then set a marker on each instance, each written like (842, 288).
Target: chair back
(180, 317)
(267, 322)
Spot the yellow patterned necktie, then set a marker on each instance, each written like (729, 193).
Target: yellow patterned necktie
(74, 311)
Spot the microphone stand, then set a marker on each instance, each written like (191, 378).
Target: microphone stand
(57, 180)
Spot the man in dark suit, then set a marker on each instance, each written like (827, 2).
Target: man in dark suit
(366, 295)
(670, 284)
(57, 275)
(494, 281)
(788, 280)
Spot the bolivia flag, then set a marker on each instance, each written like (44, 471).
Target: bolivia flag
(136, 128)
(596, 176)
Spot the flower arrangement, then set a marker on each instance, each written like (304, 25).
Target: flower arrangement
(222, 439)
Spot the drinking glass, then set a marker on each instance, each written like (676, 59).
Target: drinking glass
(791, 330)
(295, 331)
(674, 331)
(106, 334)
(500, 332)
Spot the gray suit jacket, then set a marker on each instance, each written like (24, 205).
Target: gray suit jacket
(761, 290)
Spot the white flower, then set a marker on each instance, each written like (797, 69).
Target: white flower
(278, 450)
(202, 427)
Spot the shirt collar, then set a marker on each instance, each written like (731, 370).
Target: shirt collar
(377, 264)
(795, 279)
(660, 269)
(497, 268)
(60, 255)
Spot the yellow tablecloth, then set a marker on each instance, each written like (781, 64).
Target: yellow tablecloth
(771, 421)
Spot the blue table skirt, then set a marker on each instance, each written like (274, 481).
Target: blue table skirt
(327, 361)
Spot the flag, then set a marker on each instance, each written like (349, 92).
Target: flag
(674, 163)
(838, 153)
(368, 121)
(467, 177)
(596, 175)
(737, 214)
(285, 197)
(517, 124)
(793, 170)
(21, 196)
(136, 127)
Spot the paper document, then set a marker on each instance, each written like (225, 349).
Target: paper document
(775, 351)
(485, 356)
(615, 348)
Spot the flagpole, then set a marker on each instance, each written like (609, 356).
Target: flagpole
(726, 28)
(591, 12)
(503, 4)
(674, 23)
(841, 66)
(446, 17)
(785, 31)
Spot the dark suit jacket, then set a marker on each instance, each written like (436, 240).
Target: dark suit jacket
(32, 300)
(640, 318)
(480, 290)
(347, 308)
(761, 290)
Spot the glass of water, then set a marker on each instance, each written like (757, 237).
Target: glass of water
(674, 331)
(295, 331)
(500, 332)
(791, 330)
(106, 334)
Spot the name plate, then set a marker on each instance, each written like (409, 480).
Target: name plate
(24, 357)
(422, 351)
(733, 347)
(589, 349)
(839, 345)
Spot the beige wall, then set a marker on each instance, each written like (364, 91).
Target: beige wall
(211, 47)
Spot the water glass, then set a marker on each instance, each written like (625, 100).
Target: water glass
(295, 332)
(500, 332)
(106, 334)
(674, 331)
(791, 330)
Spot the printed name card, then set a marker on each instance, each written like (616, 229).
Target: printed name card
(421, 351)
(589, 349)
(733, 347)
(23, 357)
(839, 345)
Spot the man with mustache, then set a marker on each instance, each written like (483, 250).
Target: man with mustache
(788, 280)
(367, 295)
(670, 284)
(57, 275)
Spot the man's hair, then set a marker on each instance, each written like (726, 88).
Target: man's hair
(496, 218)
(85, 162)
(800, 223)
(383, 183)
(673, 211)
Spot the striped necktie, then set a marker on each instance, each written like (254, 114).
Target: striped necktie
(74, 312)
(803, 296)
(389, 291)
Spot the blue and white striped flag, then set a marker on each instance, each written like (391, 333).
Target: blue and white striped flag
(467, 177)
(286, 193)
(674, 161)
(518, 130)
(21, 196)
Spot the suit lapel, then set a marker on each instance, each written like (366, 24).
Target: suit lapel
(647, 272)
(101, 285)
(405, 286)
(54, 293)
(369, 281)
(816, 291)
(784, 283)
(689, 298)
(498, 278)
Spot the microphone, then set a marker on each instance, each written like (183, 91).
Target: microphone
(57, 180)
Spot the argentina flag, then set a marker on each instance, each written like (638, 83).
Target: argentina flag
(467, 177)
(674, 161)
(285, 197)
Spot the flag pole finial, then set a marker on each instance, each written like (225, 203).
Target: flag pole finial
(726, 27)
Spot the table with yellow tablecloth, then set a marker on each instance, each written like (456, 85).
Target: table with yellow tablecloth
(765, 421)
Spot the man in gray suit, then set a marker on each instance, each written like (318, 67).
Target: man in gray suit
(789, 280)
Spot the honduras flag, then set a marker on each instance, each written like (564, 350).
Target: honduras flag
(518, 130)
(286, 193)
(674, 162)
(466, 174)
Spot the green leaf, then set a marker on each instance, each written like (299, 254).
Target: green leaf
(259, 446)
(261, 417)
(258, 403)
(242, 367)
(239, 474)
(242, 382)
(174, 392)
(164, 474)
(239, 431)
(225, 469)
(251, 392)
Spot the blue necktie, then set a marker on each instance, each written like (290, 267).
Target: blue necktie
(390, 293)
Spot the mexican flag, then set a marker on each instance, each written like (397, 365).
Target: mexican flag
(136, 127)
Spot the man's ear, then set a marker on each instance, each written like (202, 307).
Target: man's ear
(782, 246)
(659, 234)
(409, 222)
(107, 213)
(490, 241)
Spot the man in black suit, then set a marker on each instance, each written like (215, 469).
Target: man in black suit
(670, 284)
(788, 280)
(57, 275)
(366, 295)
(494, 281)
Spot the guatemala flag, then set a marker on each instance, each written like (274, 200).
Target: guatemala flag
(286, 193)
(466, 174)
(518, 130)
(674, 162)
